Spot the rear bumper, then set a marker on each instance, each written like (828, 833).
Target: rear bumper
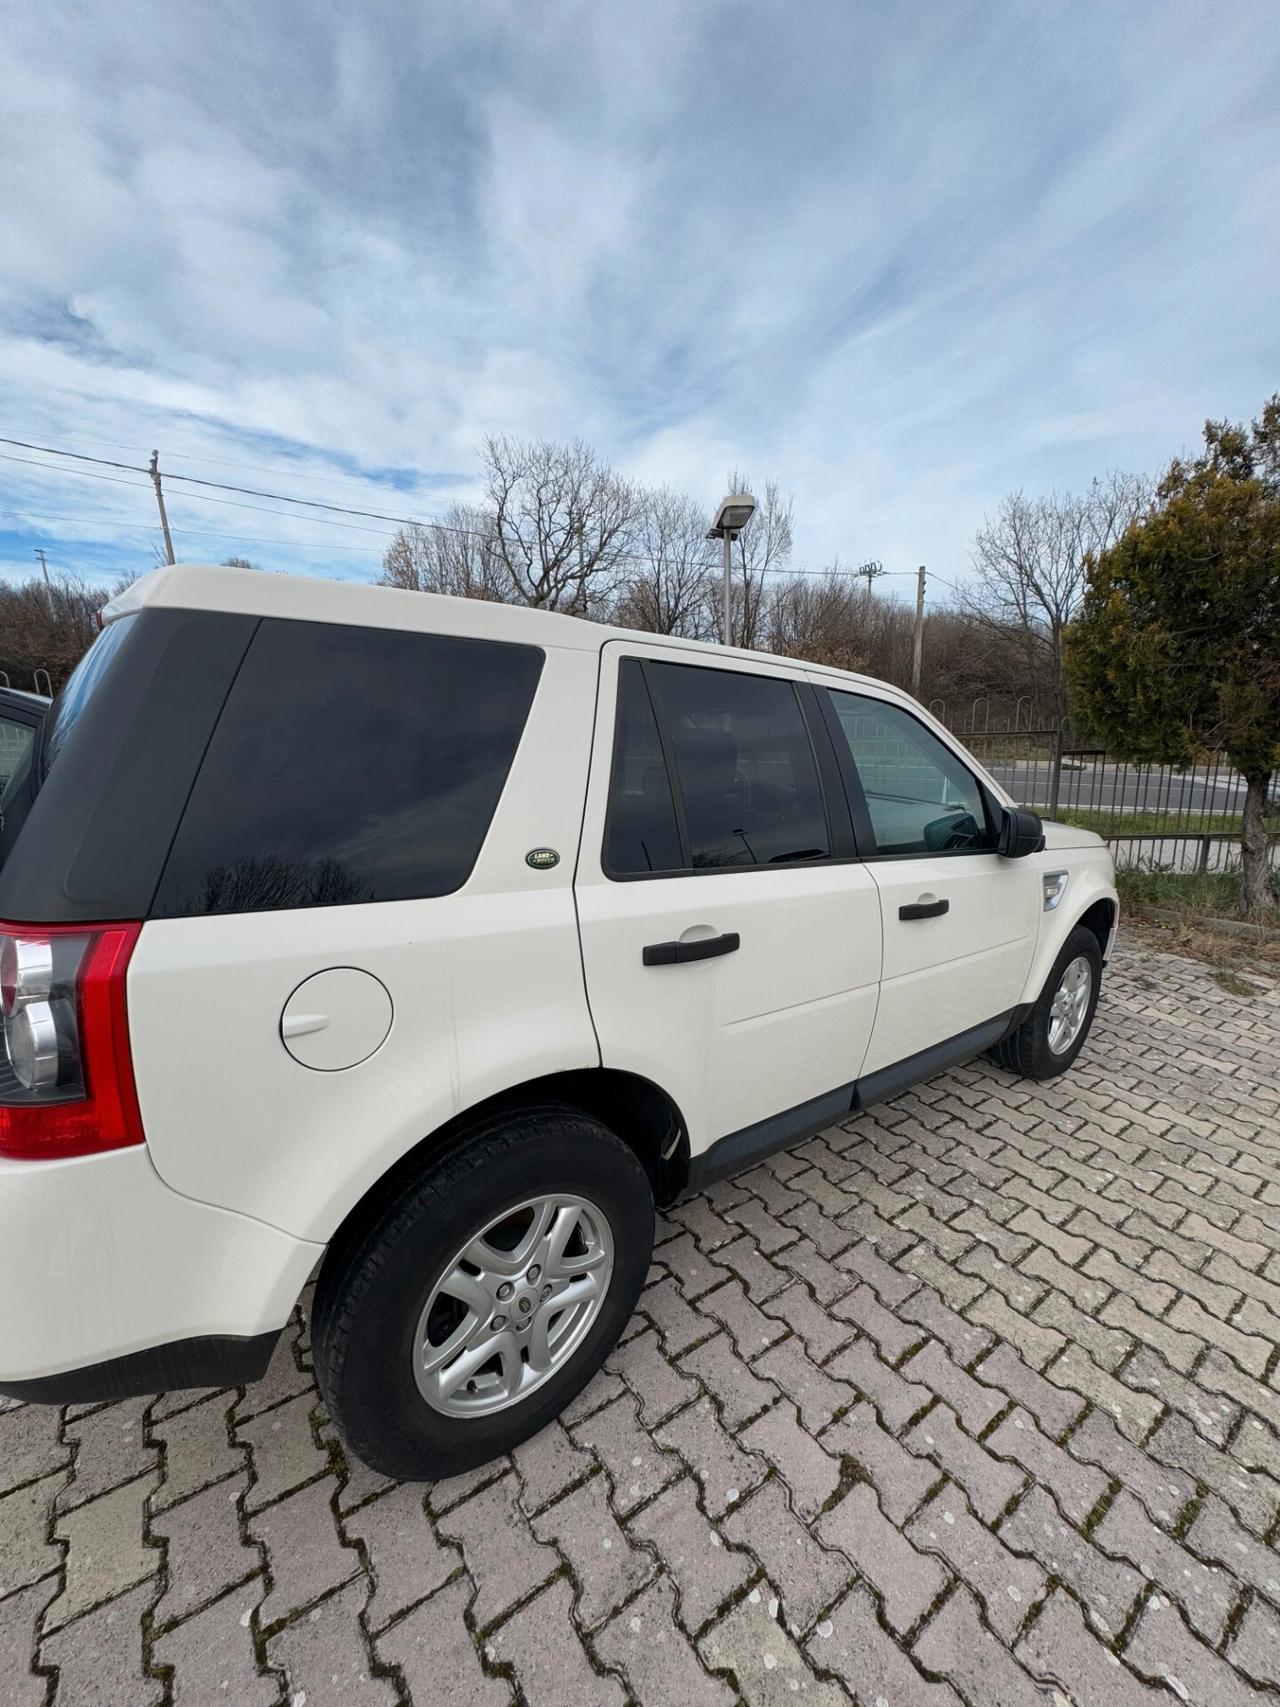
(214, 1361)
(111, 1283)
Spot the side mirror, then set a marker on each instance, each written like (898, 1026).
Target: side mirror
(1021, 833)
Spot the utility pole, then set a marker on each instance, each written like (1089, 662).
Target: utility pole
(726, 541)
(48, 590)
(917, 645)
(164, 520)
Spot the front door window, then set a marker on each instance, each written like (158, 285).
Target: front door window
(921, 798)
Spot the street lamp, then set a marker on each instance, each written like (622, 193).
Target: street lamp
(733, 515)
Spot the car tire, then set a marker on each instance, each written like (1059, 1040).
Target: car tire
(415, 1276)
(1043, 1045)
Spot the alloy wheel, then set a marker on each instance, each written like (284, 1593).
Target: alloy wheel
(513, 1305)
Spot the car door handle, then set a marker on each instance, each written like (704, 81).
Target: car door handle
(924, 909)
(676, 953)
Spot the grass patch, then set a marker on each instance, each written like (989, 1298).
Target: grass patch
(1204, 894)
(1194, 898)
(1157, 823)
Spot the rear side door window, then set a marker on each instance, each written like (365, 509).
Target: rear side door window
(349, 765)
(746, 786)
(920, 798)
(642, 833)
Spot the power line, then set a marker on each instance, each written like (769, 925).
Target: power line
(315, 504)
(85, 473)
(198, 533)
(220, 485)
(249, 467)
(374, 515)
(317, 521)
(202, 498)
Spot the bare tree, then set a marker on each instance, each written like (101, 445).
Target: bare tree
(1031, 563)
(818, 617)
(664, 585)
(561, 521)
(763, 546)
(46, 629)
(453, 556)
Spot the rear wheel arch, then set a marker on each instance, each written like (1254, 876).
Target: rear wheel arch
(634, 1108)
(372, 1321)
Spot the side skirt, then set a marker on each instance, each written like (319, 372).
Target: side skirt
(742, 1149)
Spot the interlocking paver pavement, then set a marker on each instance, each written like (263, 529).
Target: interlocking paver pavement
(974, 1399)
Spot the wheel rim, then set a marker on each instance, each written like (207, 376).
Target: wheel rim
(1070, 1004)
(513, 1305)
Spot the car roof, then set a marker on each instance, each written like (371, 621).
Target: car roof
(36, 701)
(304, 598)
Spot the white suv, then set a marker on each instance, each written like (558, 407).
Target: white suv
(433, 942)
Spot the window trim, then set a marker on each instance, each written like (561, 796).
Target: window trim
(841, 837)
(864, 830)
(29, 717)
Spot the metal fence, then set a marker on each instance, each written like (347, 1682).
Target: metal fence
(1157, 816)
(993, 714)
(41, 682)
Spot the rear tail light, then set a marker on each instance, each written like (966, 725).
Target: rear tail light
(66, 1074)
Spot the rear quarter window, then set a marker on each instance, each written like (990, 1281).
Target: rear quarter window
(81, 687)
(349, 765)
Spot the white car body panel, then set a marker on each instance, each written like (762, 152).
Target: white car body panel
(1091, 878)
(733, 1040)
(944, 975)
(940, 976)
(253, 1160)
(486, 986)
(99, 1258)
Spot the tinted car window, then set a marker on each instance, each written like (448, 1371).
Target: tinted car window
(349, 764)
(73, 701)
(640, 832)
(15, 745)
(920, 797)
(747, 775)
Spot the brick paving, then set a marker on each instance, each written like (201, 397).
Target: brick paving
(973, 1399)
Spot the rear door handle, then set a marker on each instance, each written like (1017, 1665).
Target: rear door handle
(924, 909)
(676, 953)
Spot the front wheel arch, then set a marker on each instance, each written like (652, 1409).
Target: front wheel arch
(1100, 918)
(1027, 1051)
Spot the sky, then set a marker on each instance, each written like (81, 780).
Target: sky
(902, 258)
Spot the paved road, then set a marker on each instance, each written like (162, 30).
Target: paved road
(1120, 788)
(973, 1401)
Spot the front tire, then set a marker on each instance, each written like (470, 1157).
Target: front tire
(480, 1299)
(1054, 1032)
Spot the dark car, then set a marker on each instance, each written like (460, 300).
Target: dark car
(21, 714)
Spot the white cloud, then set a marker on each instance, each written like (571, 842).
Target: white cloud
(902, 259)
